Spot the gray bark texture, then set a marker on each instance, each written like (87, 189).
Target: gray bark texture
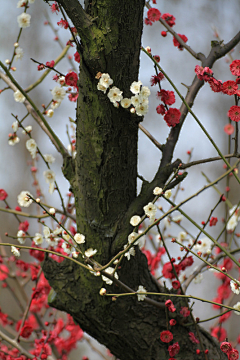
(103, 179)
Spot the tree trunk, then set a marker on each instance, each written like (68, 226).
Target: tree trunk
(103, 180)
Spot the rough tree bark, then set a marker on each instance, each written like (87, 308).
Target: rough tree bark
(103, 180)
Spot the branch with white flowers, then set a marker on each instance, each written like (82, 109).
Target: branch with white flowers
(33, 110)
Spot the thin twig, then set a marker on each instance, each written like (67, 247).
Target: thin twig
(152, 138)
(202, 161)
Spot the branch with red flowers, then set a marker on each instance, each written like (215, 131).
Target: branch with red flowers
(198, 56)
(216, 53)
(81, 20)
(15, 344)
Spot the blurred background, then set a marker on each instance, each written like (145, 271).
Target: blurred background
(198, 20)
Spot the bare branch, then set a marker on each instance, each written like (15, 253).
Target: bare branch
(152, 138)
(202, 161)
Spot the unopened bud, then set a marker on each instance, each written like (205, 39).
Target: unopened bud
(102, 291)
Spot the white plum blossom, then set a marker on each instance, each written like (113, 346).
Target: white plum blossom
(105, 80)
(79, 238)
(23, 199)
(140, 290)
(13, 140)
(31, 145)
(182, 236)
(75, 254)
(57, 231)
(58, 93)
(232, 223)
(157, 191)
(132, 237)
(55, 104)
(31, 1)
(150, 210)
(168, 194)
(235, 287)
(50, 113)
(205, 246)
(135, 87)
(24, 20)
(49, 158)
(52, 211)
(15, 126)
(130, 252)
(27, 129)
(235, 217)
(92, 271)
(67, 248)
(15, 251)
(159, 240)
(125, 103)
(101, 88)
(182, 277)
(167, 221)
(21, 3)
(141, 109)
(235, 210)
(102, 291)
(65, 235)
(145, 91)
(115, 94)
(135, 220)
(110, 271)
(49, 176)
(237, 307)
(46, 232)
(38, 239)
(136, 100)
(198, 279)
(61, 80)
(21, 236)
(18, 53)
(177, 219)
(18, 96)
(90, 252)
(52, 240)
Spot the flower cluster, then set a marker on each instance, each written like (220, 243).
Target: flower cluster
(229, 87)
(154, 14)
(138, 102)
(227, 348)
(171, 115)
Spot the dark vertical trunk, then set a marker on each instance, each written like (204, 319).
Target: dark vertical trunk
(104, 185)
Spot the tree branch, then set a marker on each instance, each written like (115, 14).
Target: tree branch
(197, 162)
(152, 138)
